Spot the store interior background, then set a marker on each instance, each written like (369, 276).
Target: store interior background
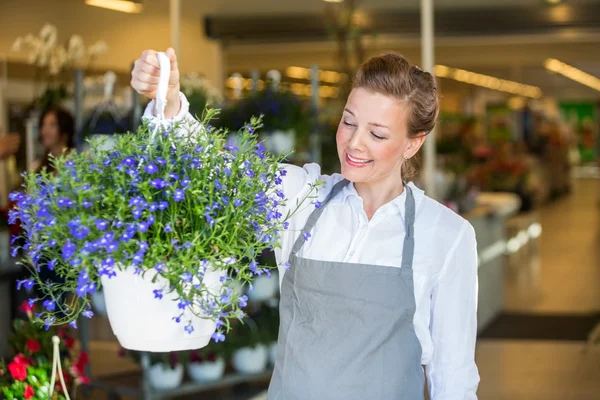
(536, 216)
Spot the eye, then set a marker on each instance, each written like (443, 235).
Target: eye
(377, 136)
(346, 123)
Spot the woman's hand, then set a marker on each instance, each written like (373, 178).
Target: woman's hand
(144, 79)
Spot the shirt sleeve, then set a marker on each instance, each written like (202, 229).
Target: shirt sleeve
(183, 123)
(452, 373)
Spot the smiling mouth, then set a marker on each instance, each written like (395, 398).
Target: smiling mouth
(357, 162)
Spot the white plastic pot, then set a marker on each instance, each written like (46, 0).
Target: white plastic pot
(264, 288)
(143, 323)
(162, 377)
(206, 371)
(250, 360)
(279, 141)
(98, 302)
(272, 350)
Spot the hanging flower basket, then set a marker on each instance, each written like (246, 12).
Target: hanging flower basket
(167, 223)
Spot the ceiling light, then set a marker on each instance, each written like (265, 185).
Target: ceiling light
(128, 6)
(486, 81)
(573, 73)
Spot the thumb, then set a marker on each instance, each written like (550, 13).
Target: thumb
(173, 57)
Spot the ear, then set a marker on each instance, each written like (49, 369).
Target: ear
(414, 144)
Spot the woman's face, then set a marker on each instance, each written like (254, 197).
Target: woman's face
(50, 132)
(372, 138)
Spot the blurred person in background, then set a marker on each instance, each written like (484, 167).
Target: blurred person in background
(57, 136)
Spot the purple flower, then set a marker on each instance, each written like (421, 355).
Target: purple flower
(179, 195)
(151, 169)
(178, 319)
(64, 202)
(73, 324)
(185, 182)
(183, 304)
(101, 225)
(253, 266)
(143, 227)
(168, 228)
(128, 161)
(87, 203)
(88, 313)
(230, 146)
(209, 219)
(260, 151)
(306, 235)
(228, 171)
(158, 183)
(159, 267)
(237, 202)
(48, 322)
(158, 294)
(286, 225)
(186, 277)
(49, 305)
(163, 205)
(218, 185)
(218, 337)
(250, 173)
(68, 250)
(52, 264)
(189, 328)
(318, 204)
(243, 301)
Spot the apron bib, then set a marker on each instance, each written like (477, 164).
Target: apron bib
(346, 330)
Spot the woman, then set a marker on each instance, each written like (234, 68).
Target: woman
(387, 281)
(57, 131)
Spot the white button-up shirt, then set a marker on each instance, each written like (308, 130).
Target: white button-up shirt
(444, 264)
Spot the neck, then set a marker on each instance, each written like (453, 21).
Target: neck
(375, 195)
(58, 151)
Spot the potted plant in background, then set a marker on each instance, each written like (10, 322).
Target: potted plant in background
(167, 223)
(28, 374)
(207, 364)
(267, 320)
(166, 370)
(200, 93)
(286, 120)
(250, 354)
(50, 58)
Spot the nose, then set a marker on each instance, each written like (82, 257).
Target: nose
(356, 140)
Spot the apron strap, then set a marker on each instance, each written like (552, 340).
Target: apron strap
(409, 223)
(312, 220)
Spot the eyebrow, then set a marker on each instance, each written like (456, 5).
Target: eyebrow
(370, 123)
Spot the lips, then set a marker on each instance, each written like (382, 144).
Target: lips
(357, 162)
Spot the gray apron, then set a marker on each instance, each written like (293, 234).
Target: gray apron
(346, 330)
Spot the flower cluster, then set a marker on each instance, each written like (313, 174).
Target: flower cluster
(44, 51)
(28, 374)
(172, 206)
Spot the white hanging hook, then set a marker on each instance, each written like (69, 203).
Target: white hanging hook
(163, 84)
(57, 364)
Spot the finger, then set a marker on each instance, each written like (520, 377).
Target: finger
(143, 76)
(150, 57)
(173, 58)
(142, 87)
(150, 69)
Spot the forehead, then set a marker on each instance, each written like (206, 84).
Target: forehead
(372, 107)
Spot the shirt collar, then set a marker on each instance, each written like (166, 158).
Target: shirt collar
(397, 203)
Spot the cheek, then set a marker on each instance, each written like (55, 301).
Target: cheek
(387, 154)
